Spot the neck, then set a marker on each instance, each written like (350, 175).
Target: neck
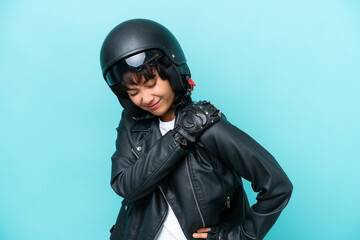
(168, 116)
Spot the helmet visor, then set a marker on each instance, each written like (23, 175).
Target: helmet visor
(134, 63)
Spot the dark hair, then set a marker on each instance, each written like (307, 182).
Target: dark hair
(134, 78)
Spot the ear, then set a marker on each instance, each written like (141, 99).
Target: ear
(174, 76)
(176, 79)
(165, 61)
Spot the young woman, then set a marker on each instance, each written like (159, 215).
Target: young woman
(178, 164)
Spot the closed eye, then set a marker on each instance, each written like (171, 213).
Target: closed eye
(132, 92)
(151, 83)
(148, 84)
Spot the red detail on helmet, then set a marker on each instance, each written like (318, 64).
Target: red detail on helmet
(192, 84)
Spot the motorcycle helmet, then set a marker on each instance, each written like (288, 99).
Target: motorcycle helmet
(132, 45)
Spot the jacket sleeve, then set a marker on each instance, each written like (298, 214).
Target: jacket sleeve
(252, 162)
(134, 178)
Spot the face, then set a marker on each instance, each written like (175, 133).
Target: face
(155, 96)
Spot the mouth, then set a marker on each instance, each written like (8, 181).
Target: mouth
(154, 106)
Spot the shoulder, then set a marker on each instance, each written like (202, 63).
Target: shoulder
(126, 121)
(224, 132)
(220, 128)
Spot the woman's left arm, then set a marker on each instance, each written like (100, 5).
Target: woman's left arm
(252, 162)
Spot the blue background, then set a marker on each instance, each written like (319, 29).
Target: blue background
(285, 72)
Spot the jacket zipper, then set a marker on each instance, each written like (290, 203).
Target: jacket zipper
(193, 191)
(158, 232)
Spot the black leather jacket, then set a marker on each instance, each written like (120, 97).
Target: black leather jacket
(201, 184)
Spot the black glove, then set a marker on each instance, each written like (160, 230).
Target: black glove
(225, 231)
(219, 232)
(193, 120)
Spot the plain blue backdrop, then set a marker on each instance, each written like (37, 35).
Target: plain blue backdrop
(285, 72)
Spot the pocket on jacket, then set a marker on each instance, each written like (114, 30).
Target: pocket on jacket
(118, 231)
(126, 207)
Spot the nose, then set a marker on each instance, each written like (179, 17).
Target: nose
(147, 98)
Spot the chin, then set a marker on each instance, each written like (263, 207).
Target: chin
(156, 113)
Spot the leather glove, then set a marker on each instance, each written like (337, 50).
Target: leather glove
(193, 120)
(219, 232)
(226, 231)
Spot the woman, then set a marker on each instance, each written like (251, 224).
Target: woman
(178, 164)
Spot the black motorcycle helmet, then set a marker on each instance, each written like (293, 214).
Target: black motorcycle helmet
(131, 46)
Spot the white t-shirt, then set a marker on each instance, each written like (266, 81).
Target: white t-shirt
(171, 229)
